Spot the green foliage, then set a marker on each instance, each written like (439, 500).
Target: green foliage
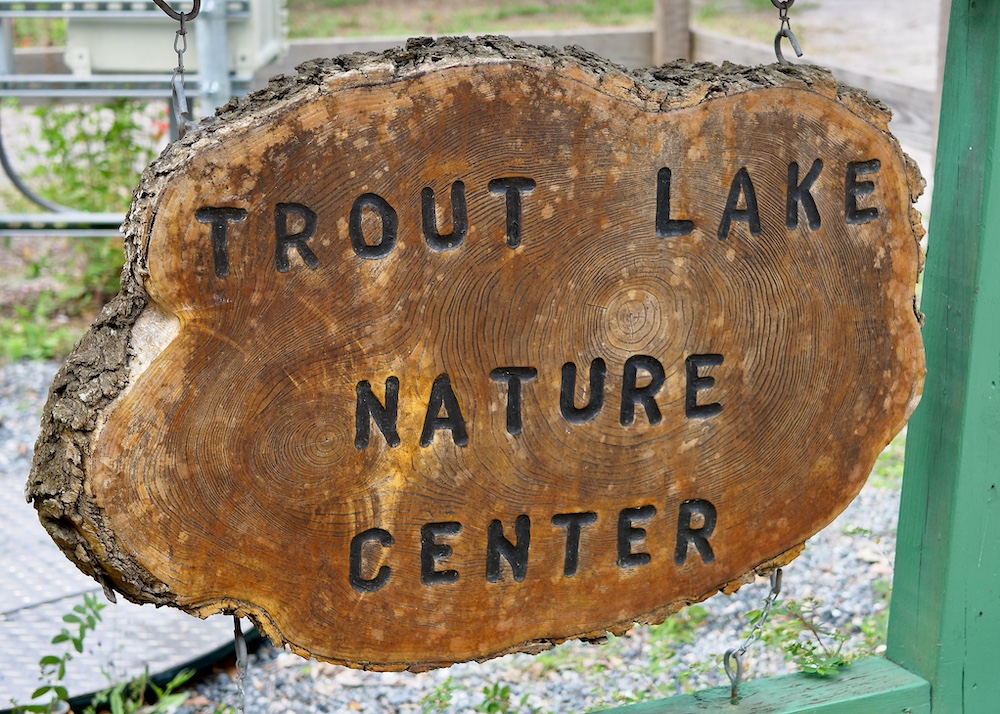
(39, 32)
(52, 667)
(42, 327)
(327, 18)
(795, 629)
(497, 700)
(90, 157)
(130, 697)
(439, 698)
(31, 334)
(888, 470)
(614, 12)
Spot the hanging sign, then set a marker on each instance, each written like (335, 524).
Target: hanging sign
(473, 347)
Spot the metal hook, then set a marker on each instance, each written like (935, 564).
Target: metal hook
(785, 31)
(734, 677)
(188, 16)
(780, 4)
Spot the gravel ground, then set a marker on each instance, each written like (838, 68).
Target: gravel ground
(846, 571)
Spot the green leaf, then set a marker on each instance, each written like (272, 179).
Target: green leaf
(49, 660)
(117, 702)
(70, 617)
(61, 637)
(41, 692)
(61, 693)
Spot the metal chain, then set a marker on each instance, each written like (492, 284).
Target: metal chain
(736, 675)
(784, 31)
(241, 664)
(182, 114)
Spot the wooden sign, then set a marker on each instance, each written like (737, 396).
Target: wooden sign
(470, 348)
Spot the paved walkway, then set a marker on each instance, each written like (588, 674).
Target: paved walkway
(38, 585)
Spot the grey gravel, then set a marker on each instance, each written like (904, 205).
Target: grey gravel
(846, 568)
(23, 389)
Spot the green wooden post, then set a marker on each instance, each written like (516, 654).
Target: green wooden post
(944, 630)
(945, 621)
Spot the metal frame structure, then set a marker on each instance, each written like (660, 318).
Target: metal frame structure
(213, 85)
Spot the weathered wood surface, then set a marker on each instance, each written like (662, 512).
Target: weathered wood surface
(329, 401)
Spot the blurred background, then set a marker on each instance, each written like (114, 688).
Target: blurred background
(85, 105)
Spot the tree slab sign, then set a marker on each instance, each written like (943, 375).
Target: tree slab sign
(472, 347)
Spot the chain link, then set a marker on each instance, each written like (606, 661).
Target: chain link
(736, 655)
(182, 113)
(241, 664)
(784, 31)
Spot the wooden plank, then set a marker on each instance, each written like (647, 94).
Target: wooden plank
(671, 30)
(873, 686)
(486, 346)
(945, 619)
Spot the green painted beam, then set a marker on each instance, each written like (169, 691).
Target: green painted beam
(872, 686)
(945, 620)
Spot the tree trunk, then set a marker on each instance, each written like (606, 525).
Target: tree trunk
(473, 347)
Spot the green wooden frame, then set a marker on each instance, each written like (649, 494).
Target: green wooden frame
(944, 627)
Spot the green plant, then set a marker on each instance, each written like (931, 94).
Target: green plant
(52, 667)
(39, 32)
(795, 629)
(888, 469)
(614, 12)
(129, 697)
(30, 333)
(439, 698)
(676, 629)
(90, 157)
(497, 700)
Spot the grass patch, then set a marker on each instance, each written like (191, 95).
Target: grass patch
(88, 158)
(755, 20)
(333, 18)
(888, 470)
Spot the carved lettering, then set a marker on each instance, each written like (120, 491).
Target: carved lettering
(629, 535)
(358, 542)
(574, 524)
(368, 408)
(512, 188)
(516, 554)
(854, 189)
(695, 523)
(432, 551)
(667, 227)
(645, 395)
(514, 377)
(459, 219)
(387, 217)
(285, 240)
(220, 218)
(799, 194)
(740, 186)
(697, 383)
